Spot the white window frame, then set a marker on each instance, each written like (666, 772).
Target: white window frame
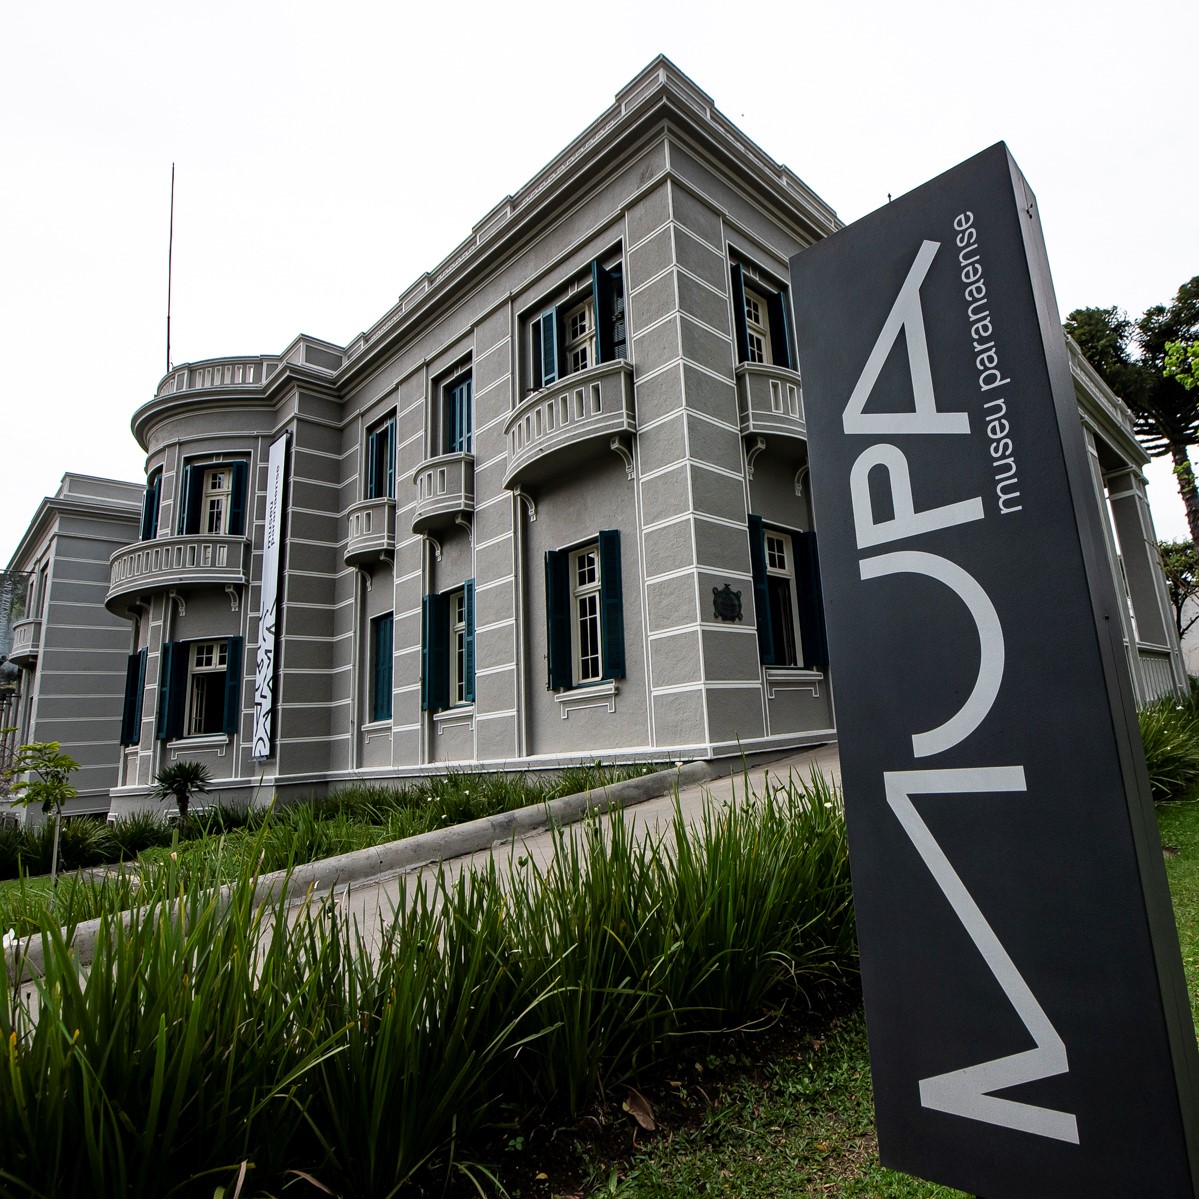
(457, 648)
(586, 624)
(757, 326)
(579, 336)
(221, 495)
(205, 660)
(780, 564)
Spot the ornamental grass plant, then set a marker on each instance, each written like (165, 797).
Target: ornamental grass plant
(213, 1038)
(1170, 734)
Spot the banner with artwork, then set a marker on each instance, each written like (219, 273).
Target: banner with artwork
(268, 613)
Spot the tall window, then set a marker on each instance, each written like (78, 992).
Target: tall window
(150, 500)
(135, 684)
(199, 688)
(760, 321)
(458, 416)
(448, 648)
(585, 613)
(583, 329)
(382, 639)
(214, 499)
(381, 460)
(790, 614)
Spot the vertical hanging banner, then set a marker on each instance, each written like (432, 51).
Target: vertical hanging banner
(1030, 1033)
(268, 611)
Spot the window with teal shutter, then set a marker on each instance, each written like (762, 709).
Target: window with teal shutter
(611, 605)
(811, 602)
(237, 500)
(382, 634)
(559, 664)
(213, 499)
(584, 614)
(757, 565)
(135, 686)
(381, 460)
(760, 324)
(468, 642)
(232, 706)
(458, 416)
(172, 690)
(585, 326)
(787, 597)
(435, 653)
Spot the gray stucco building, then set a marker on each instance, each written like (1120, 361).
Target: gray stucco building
(64, 674)
(553, 505)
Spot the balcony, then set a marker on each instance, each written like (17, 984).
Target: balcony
(26, 642)
(561, 425)
(445, 490)
(770, 400)
(371, 531)
(175, 563)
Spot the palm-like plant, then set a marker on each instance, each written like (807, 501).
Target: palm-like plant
(182, 781)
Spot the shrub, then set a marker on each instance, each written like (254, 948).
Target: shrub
(137, 832)
(1170, 734)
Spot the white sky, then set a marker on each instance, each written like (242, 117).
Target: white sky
(327, 155)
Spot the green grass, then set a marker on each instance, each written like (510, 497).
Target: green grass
(1179, 825)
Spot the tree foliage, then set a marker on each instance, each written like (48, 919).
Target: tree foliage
(49, 783)
(1131, 357)
(1180, 565)
(1182, 363)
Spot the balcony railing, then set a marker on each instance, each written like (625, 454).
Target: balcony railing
(176, 562)
(445, 490)
(1156, 669)
(371, 531)
(26, 642)
(222, 372)
(770, 400)
(557, 426)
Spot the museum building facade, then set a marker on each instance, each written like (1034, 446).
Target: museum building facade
(553, 506)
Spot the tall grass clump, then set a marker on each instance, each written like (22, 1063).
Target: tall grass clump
(1170, 734)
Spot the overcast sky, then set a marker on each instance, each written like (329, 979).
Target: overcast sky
(327, 155)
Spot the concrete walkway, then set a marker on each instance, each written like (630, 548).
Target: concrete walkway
(367, 882)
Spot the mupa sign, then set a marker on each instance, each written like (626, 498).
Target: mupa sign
(1029, 1028)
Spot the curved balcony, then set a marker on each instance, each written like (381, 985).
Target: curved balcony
(371, 531)
(558, 427)
(770, 399)
(218, 372)
(445, 490)
(26, 642)
(175, 563)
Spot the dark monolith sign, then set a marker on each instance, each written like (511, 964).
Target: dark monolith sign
(1029, 1027)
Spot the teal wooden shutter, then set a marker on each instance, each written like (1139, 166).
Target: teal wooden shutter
(458, 416)
(172, 690)
(382, 643)
(812, 632)
(780, 339)
(740, 328)
(611, 605)
(131, 712)
(435, 653)
(757, 565)
(468, 642)
(237, 499)
(150, 507)
(373, 475)
(189, 500)
(559, 656)
(601, 294)
(549, 347)
(390, 479)
(233, 656)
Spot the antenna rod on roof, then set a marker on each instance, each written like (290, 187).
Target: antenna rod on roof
(170, 261)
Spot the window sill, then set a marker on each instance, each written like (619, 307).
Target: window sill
(217, 741)
(792, 678)
(377, 728)
(462, 716)
(588, 695)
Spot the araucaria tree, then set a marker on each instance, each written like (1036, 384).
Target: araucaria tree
(1180, 565)
(1131, 357)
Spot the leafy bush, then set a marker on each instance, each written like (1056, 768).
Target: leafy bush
(137, 832)
(1170, 733)
(86, 841)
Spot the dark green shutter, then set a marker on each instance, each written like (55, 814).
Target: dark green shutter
(549, 347)
(740, 328)
(189, 500)
(435, 653)
(382, 643)
(233, 656)
(237, 499)
(135, 683)
(757, 564)
(812, 632)
(150, 507)
(559, 656)
(780, 340)
(172, 690)
(601, 292)
(611, 605)
(391, 460)
(468, 642)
